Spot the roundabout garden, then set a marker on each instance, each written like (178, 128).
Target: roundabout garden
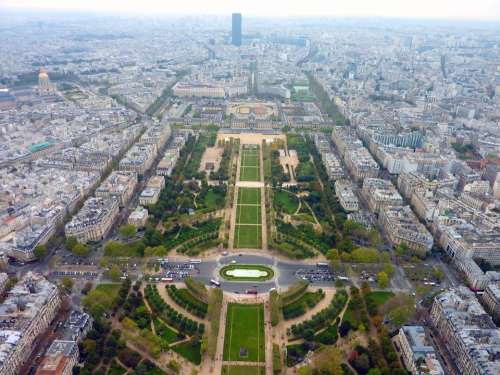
(246, 272)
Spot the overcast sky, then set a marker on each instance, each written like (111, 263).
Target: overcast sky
(447, 9)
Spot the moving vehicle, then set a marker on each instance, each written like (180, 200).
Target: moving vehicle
(215, 282)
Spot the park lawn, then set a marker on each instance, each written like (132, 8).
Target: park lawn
(248, 236)
(211, 200)
(244, 330)
(288, 202)
(191, 352)
(167, 334)
(243, 370)
(250, 159)
(250, 174)
(379, 297)
(248, 195)
(248, 215)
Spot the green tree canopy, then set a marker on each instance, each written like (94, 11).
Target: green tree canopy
(81, 250)
(114, 273)
(67, 283)
(128, 231)
(71, 242)
(40, 251)
(382, 280)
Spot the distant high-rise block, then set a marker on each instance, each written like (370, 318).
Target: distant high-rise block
(236, 31)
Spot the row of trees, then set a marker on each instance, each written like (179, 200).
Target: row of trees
(324, 318)
(300, 306)
(224, 171)
(184, 299)
(170, 315)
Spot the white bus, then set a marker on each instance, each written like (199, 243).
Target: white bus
(215, 282)
(322, 265)
(195, 261)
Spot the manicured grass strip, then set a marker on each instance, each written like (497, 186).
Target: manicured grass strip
(189, 350)
(224, 272)
(248, 215)
(250, 165)
(250, 174)
(244, 338)
(248, 236)
(243, 370)
(250, 159)
(248, 195)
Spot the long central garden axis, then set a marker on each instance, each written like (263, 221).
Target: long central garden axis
(248, 222)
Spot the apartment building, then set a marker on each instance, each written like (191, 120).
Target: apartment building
(424, 204)
(408, 183)
(466, 240)
(139, 158)
(469, 332)
(360, 164)
(119, 185)
(60, 358)
(3, 281)
(139, 217)
(347, 199)
(158, 135)
(149, 196)
(332, 165)
(402, 227)
(380, 193)
(30, 307)
(183, 89)
(417, 352)
(167, 163)
(491, 299)
(94, 220)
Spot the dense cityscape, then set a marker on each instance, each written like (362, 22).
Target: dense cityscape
(245, 195)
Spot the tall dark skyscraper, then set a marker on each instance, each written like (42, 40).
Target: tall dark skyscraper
(236, 32)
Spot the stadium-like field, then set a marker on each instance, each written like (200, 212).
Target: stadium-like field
(249, 166)
(244, 338)
(248, 229)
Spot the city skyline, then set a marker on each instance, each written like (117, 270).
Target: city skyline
(486, 10)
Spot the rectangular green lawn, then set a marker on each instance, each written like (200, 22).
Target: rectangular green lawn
(243, 370)
(244, 333)
(250, 159)
(248, 195)
(248, 215)
(247, 236)
(250, 164)
(250, 174)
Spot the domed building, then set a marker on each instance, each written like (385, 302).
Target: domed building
(44, 85)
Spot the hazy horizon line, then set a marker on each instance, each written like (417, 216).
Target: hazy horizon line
(34, 11)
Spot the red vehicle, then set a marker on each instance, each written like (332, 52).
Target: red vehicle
(252, 291)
